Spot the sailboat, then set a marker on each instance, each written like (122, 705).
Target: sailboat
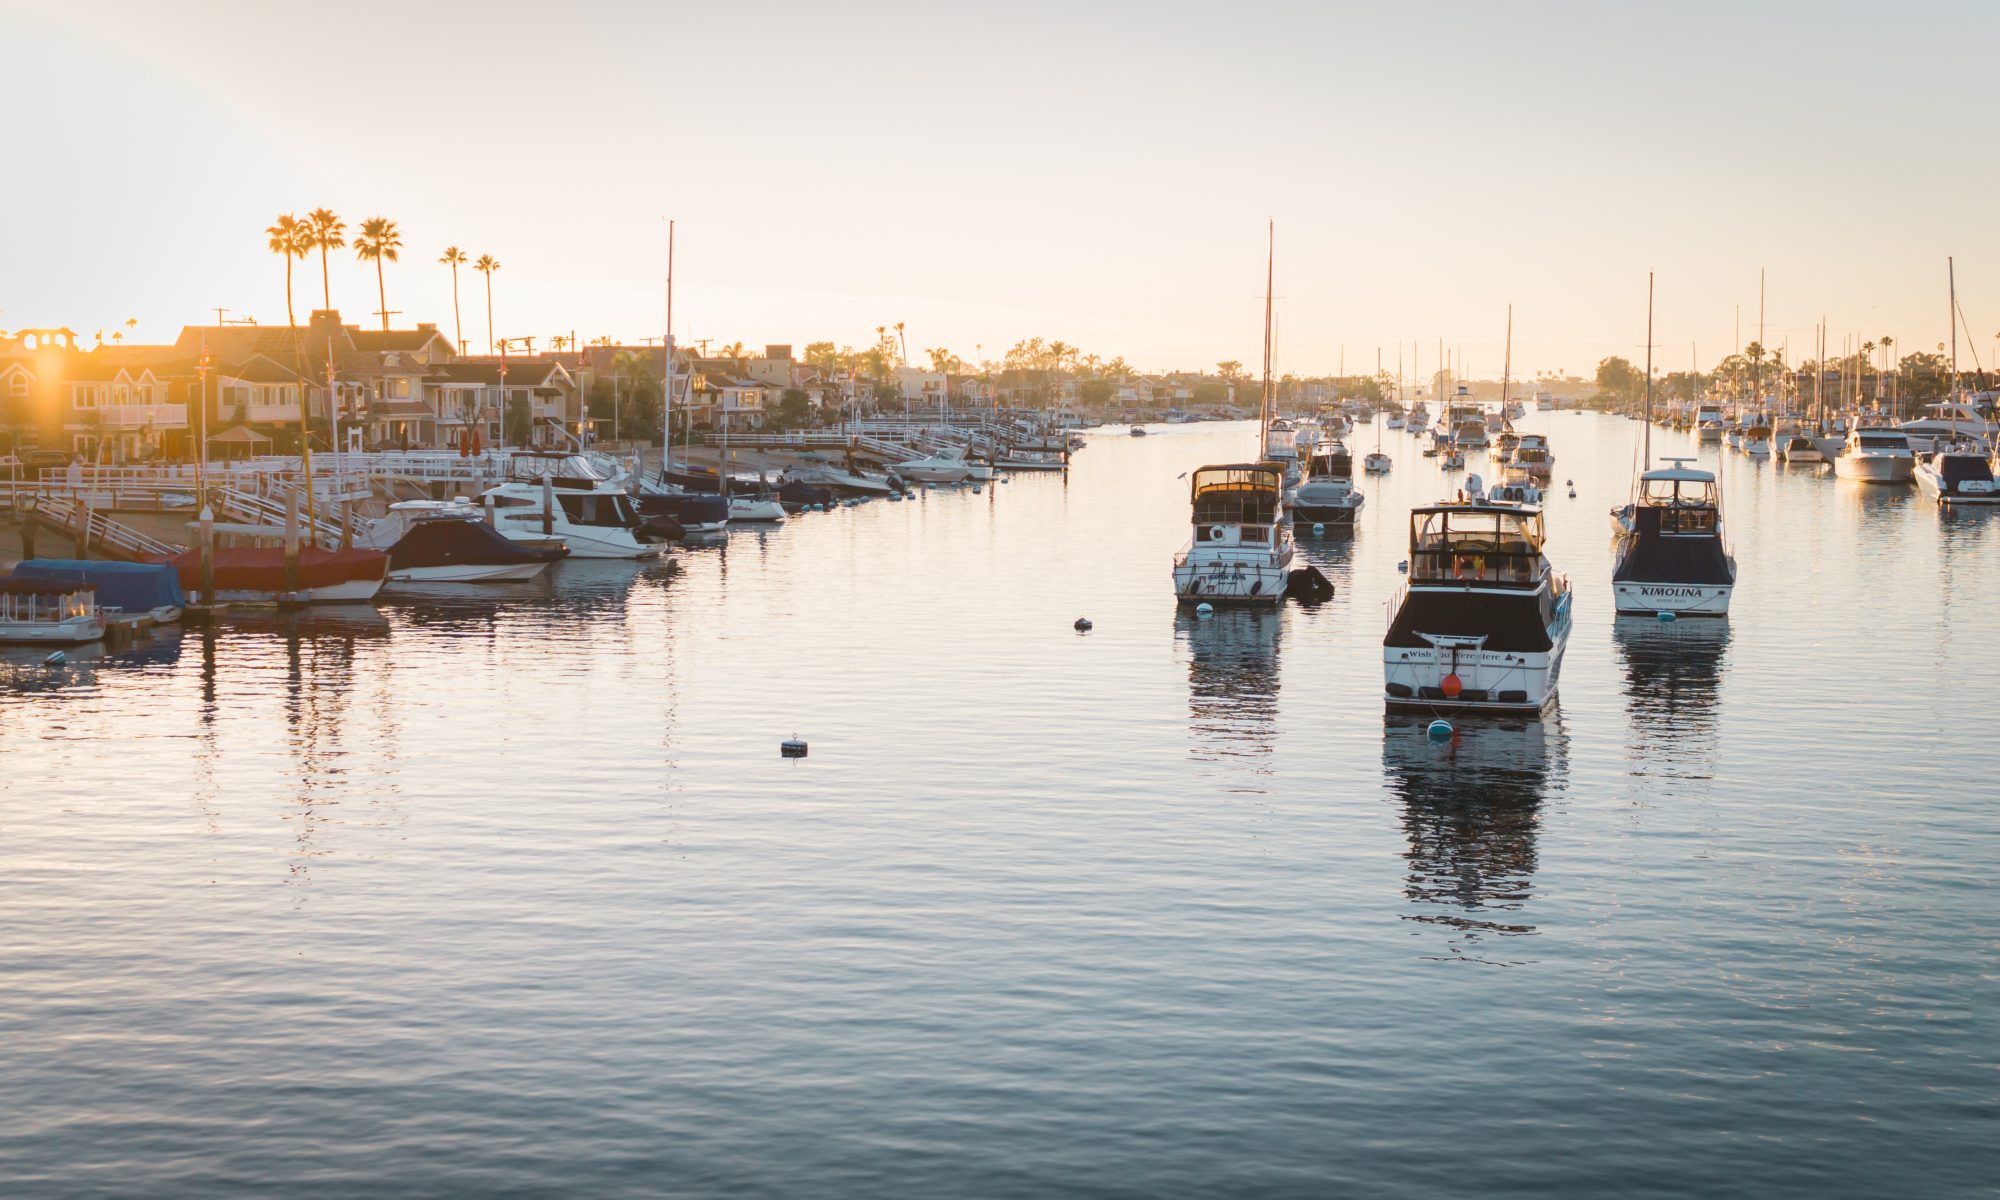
(1241, 550)
(1671, 556)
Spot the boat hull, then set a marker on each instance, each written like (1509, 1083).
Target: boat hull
(1871, 468)
(1519, 681)
(1218, 582)
(73, 632)
(1324, 514)
(1953, 495)
(1641, 599)
(468, 573)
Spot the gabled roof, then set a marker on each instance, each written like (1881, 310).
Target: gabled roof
(260, 369)
(410, 340)
(521, 372)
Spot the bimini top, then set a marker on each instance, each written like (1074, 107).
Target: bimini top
(1238, 493)
(1678, 475)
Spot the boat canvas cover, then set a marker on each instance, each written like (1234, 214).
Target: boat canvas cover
(1510, 624)
(1657, 557)
(1955, 469)
(453, 542)
(131, 587)
(262, 569)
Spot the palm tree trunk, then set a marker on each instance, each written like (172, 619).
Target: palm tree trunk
(489, 313)
(290, 318)
(381, 293)
(325, 288)
(457, 324)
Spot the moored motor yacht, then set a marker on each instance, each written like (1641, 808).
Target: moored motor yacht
(1242, 549)
(592, 524)
(1950, 422)
(1757, 441)
(1327, 495)
(935, 468)
(1483, 622)
(430, 541)
(1958, 474)
(1708, 424)
(1534, 456)
(1877, 454)
(1799, 449)
(1671, 554)
(1377, 463)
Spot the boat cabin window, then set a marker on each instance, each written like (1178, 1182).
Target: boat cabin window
(1884, 441)
(604, 509)
(1475, 546)
(1688, 520)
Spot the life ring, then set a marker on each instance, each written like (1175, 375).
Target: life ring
(1215, 533)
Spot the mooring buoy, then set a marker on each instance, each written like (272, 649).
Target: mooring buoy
(792, 747)
(1082, 625)
(1204, 609)
(1439, 729)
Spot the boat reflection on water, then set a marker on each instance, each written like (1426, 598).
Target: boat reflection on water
(1232, 681)
(1673, 689)
(1472, 810)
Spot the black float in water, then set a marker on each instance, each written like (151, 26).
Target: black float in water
(1083, 624)
(1309, 585)
(792, 747)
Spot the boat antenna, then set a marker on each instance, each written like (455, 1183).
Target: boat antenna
(1648, 436)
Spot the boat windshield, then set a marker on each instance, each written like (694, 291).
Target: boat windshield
(1673, 489)
(1242, 495)
(1475, 545)
(607, 509)
(1884, 441)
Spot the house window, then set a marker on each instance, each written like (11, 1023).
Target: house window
(83, 395)
(17, 386)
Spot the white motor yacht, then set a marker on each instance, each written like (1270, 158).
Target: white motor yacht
(1799, 449)
(1242, 548)
(1484, 620)
(1708, 424)
(592, 524)
(1671, 555)
(1949, 422)
(1534, 456)
(1877, 454)
(435, 541)
(1327, 495)
(1377, 463)
(937, 468)
(1958, 474)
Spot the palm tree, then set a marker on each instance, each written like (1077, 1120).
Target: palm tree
(453, 256)
(559, 342)
(378, 240)
(290, 238)
(486, 265)
(325, 231)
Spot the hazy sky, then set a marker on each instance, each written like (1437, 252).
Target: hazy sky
(1095, 172)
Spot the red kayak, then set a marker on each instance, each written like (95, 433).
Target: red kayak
(324, 575)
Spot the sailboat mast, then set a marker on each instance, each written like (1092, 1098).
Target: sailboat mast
(1269, 406)
(1951, 276)
(667, 384)
(1647, 457)
(1507, 364)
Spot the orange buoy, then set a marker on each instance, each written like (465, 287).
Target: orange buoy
(1451, 686)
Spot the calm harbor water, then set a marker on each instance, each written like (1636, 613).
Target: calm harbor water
(506, 891)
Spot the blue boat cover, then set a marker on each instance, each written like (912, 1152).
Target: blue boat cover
(133, 587)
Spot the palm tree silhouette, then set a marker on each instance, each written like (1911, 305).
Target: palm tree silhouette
(289, 237)
(326, 232)
(453, 256)
(378, 239)
(486, 265)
